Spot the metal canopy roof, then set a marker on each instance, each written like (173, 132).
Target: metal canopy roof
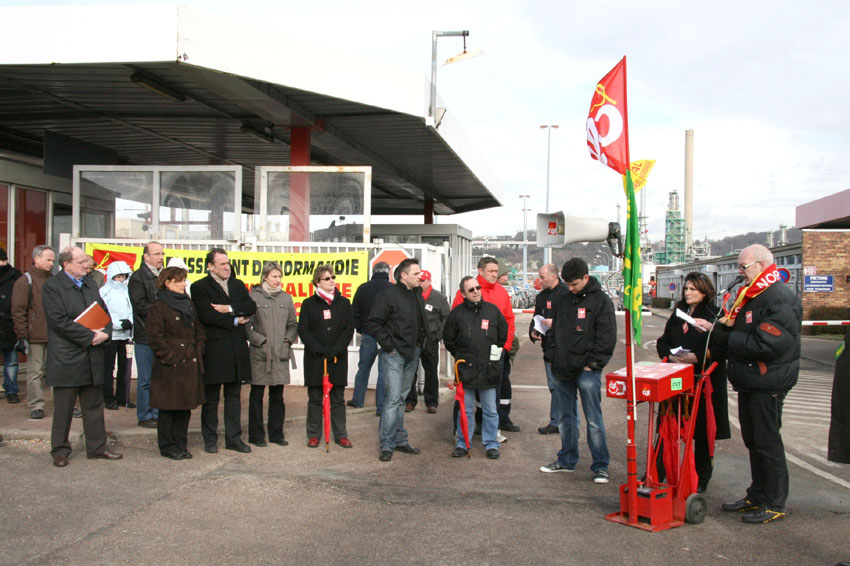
(133, 106)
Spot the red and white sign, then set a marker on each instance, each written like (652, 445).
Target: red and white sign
(749, 317)
(391, 258)
(552, 229)
(326, 314)
(581, 313)
(485, 324)
(548, 304)
(607, 121)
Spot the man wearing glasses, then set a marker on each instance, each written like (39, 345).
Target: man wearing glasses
(761, 335)
(398, 324)
(475, 332)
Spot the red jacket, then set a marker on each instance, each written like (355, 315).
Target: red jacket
(496, 294)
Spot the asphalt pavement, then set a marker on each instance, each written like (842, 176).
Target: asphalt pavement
(296, 505)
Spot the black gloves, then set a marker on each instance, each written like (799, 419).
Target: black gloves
(22, 346)
(126, 324)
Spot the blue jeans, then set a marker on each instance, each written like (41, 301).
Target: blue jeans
(554, 408)
(489, 421)
(10, 371)
(400, 374)
(368, 353)
(589, 384)
(144, 364)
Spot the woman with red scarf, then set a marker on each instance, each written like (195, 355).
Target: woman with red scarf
(326, 326)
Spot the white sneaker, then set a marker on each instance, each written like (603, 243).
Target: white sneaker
(601, 476)
(501, 438)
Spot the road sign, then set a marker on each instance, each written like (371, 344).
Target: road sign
(784, 274)
(390, 257)
(818, 284)
(672, 286)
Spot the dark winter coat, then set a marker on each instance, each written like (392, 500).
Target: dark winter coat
(177, 382)
(326, 330)
(436, 312)
(763, 346)
(544, 305)
(271, 332)
(586, 328)
(398, 320)
(678, 333)
(71, 359)
(839, 425)
(27, 314)
(364, 298)
(8, 276)
(226, 358)
(142, 288)
(470, 331)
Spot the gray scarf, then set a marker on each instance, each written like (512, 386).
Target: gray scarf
(221, 282)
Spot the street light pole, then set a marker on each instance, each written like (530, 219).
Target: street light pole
(432, 107)
(547, 252)
(524, 241)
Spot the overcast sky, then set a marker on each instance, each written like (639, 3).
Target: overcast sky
(763, 84)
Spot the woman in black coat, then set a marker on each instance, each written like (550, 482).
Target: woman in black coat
(697, 297)
(177, 339)
(326, 326)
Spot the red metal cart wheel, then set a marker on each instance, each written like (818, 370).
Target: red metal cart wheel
(695, 509)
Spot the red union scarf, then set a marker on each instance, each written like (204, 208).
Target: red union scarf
(608, 121)
(760, 284)
(328, 297)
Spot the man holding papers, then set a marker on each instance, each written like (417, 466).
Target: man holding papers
(75, 356)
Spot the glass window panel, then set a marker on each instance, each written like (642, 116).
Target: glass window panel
(128, 196)
(30, 224)
(335, 205)
(198, 205)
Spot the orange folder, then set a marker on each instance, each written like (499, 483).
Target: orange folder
(94, 317)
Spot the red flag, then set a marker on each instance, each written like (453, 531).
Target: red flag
(102, 258)
(608, 121)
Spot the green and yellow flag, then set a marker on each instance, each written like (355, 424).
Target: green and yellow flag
(632, 280)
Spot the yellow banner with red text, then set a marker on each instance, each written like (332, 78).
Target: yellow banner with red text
(351, 268)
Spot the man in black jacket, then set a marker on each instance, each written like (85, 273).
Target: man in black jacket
(8, 276)
(143, 289)
(398, 324)
(224, 307)
(544, 306)
(361, 304)
(436, 312)
(762, 338)
(586, 331)
(475, 332)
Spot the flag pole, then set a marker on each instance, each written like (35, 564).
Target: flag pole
(631, 403)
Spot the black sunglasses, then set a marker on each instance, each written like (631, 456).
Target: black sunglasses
(471, 289)
(329, 278)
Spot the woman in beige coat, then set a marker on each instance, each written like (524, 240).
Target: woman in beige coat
(271, 332)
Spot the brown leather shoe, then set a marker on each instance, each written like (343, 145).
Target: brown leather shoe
(107, 455)
(408, 407)
(431, 409)
(60, 461)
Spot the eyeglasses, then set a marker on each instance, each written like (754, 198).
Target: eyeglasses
(329, 278)
(473, 289)
(745, 267)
